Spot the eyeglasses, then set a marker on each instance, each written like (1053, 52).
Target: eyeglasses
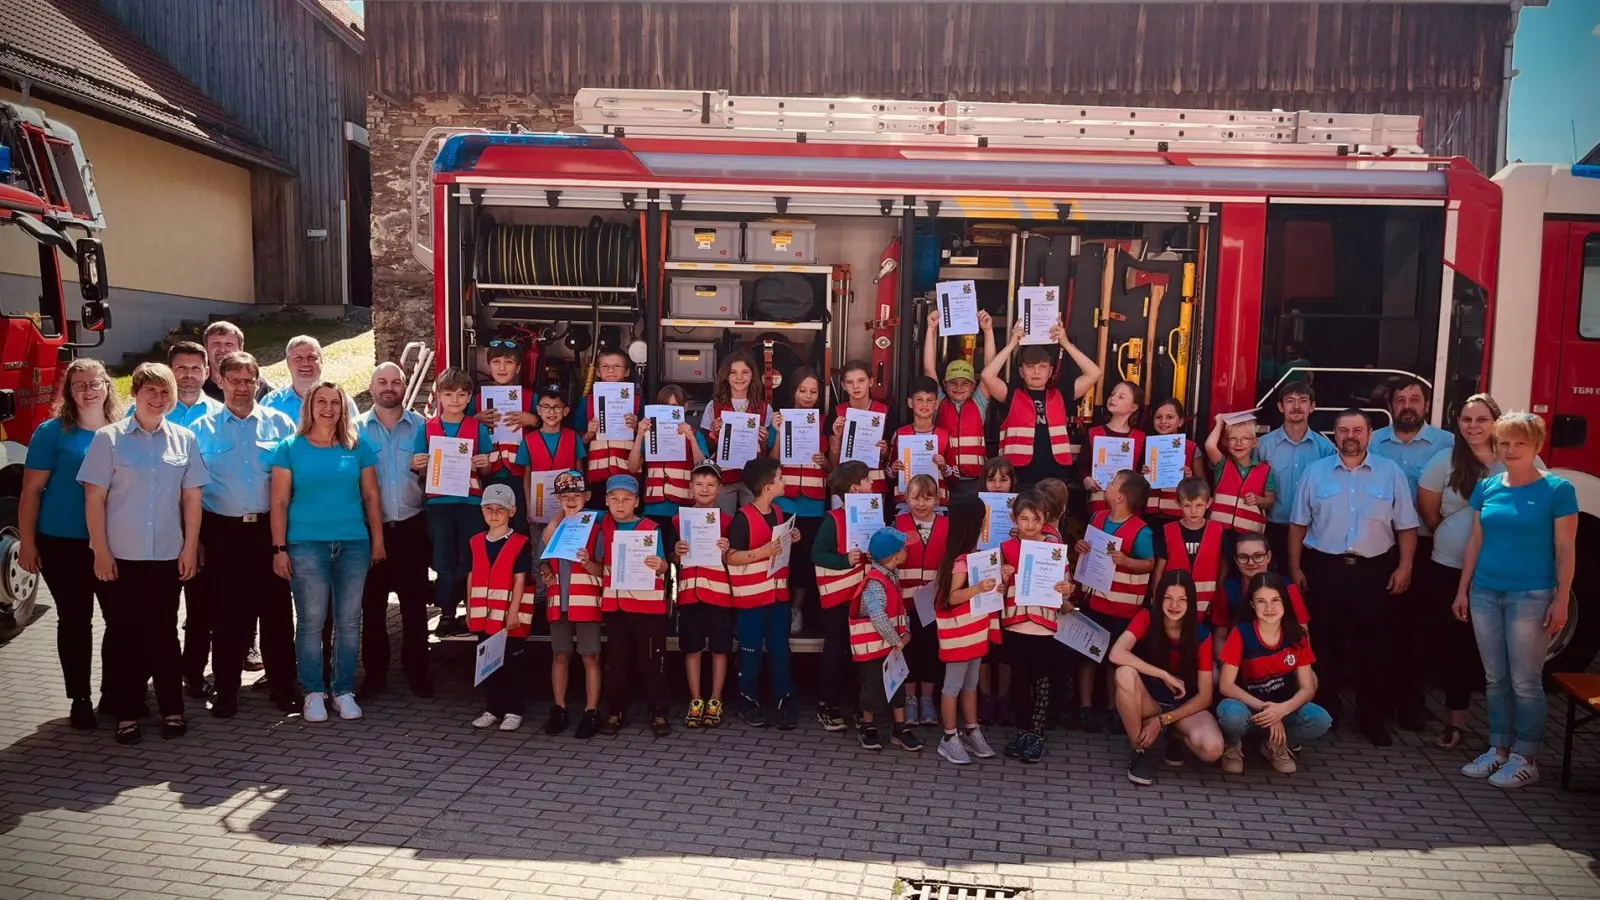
(240, 382)
(88, 387)
(1254, 559)
(503, 344)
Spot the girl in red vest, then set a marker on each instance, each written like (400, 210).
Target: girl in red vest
(926, 538)
(496, 603)
(761, 596)
(994, 683)
(1163, 507)
(704, 601)
(839, 571)
(1246, 489)
(1030, 631)
(737, 390)
(857, 381)
(1122, 406)
(878, 627)
(805, 492)
(963, 635)
(607, 458)
(1134, 556)
(962, 409)
(922, 401)
(1035, 435)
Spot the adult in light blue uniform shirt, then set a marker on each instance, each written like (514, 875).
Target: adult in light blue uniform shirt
(1409, 440)
(304, 356)
(1289, 450)
(187, 360)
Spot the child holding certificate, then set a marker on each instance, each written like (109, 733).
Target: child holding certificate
(453, 518)
(994, 685)
(635, 616)
(857, 381)
(963, 406)
(963, 636)
(878, 626)
(666, 482)
(760, 580)
(506, 410)
(1134, 559)
(573, 611)
(923, 401)
(927, 535)
(1167, 419)
(840, 570)
(805, 487)
(705, 595)
(496, 602)
(1034, 433)
(1246, 489)
(1030, 629)
(737, 390)
(608, 456)
(1122, 407)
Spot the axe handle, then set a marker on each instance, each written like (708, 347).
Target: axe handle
(1157, 291)
(1107, 285)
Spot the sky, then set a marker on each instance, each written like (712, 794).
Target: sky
(1558, 52)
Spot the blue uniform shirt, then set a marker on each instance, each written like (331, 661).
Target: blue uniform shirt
(325, 504)
(60, 451)
(145, 474)
(1414, 455)
(1519, 531)
(1354, 510)
(286, 401)
(399, 487)
(238, 454)
(1289, 459)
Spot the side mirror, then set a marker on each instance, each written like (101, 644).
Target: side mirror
(91, 259)
(95, 316)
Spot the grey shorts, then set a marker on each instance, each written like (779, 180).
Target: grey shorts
(587, 633)
(961, 676)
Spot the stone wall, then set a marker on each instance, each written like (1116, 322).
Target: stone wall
(402, 290)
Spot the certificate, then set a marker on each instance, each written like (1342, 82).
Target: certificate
(702, 528)
(785, 547)
(614, 402)
(491, 656)
(740, 439)
(503, 398)
(981, 566)
(895, 672)
(958, 308)
(1041, 566)
(1110, 456)
(450, 466)
(628, 552)
(922, 599)
(1166, 455)
(663, 443)
(997, 522)
(863, 429)
(801, 437)
(1084, 635)
(542, 499)
(1095, 569)
(916, 458)
(571, 536)
(863, 515)
(1038, 308)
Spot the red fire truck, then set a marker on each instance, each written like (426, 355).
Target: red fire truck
(1203, 255)
(46, 195)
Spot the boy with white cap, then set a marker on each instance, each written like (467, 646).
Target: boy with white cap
(495, 603)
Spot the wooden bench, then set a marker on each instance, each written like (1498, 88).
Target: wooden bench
(1581, 689)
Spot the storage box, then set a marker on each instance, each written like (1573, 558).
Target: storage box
(709, 241)
(794, 243)
(689, 362)
(705, 298)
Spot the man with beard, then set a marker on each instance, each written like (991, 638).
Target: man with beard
(222, 338)
(1289, 450)
(393, 430)
(1352, 537)
(304, 355)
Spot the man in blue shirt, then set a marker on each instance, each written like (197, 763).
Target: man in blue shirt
(1289, 450)
(187, 360)
(222, 338)
(304, 355)
(237, 442)
(394, 431)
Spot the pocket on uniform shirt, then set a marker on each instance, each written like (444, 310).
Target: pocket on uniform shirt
(176, 460)
(1379, 492)
(265, 451)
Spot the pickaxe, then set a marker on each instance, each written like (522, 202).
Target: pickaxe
(1134, 247)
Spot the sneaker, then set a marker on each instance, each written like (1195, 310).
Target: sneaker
(713, 713)
(867, 736)
(345, 706)
(1173, 755)
(83, 717)
(796, 621)
(1487, 763)
(974, 741)
(1233, 759)
(659, 726)
(930, 713)
(588, 725)
(828, 718)
(557, 722)
(788, 714)
(252, 660)
(752, 713)
(951, 749)
(1088, 721)
(913, 711)
(511, 722)
(315, 708)
(613, 722)
(696, 715)
(1279, 756)
(1140, 771)
(1013, 748)
(1032, 749)
(906, 739)
(442, 630)
(1519, 771)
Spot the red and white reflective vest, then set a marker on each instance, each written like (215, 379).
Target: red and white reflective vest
(1127, 588)
(1206, 566)
(1097, 499)
(435, 428)
(965, 427)
(583, 589)
(865, 641)
(730, 475)
(540, 459)
(651, 602)
(922, 560)
(668, 482)
(963, 634)
(836, 587)
(704, 584)
(1012, 615)
(753, 587)
(807, 480)
(607, 458)
(880, 482)
(941, 442)
(1016, 433)
(1227, 502)
(505, 458)
(1164, 501)
(489, 588)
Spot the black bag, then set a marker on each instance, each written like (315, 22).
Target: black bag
(783, 297)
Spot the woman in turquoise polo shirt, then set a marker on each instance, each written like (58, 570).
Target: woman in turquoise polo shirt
(327, 530)
(55, 532)
(1516, 581)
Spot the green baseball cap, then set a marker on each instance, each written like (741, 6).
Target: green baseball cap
(959, 368)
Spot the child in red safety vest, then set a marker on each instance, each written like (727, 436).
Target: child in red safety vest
(922, 401)
(994, 682)
(1245, 489)
(927, 535)
(1035, 434)
(666, 482)
(962, 408)
(840, 571)
(738, 390)
(1167, 418)
(963, 635)
(505, 364)
(547, 450)
(760, 580)
(1134, 558)
(857, 380)
(1196, 544)
(496, 603)
(1118, 432)
(705, 597)
(452, 520)
(573, 610)
(635, 616)
(805, 489)
(607, 457)
(878, 627)
(1029, 634)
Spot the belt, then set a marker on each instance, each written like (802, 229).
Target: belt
(1351, 559)
(247, 518)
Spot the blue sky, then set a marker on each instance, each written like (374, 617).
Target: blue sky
(1558, 51)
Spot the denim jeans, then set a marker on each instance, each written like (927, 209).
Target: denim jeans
(765, 628)
(450, 528)
(1509, 626)
(328, 575)
(1307, 723)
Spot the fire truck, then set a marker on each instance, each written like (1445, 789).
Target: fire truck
(47, 203)
(1203, 255)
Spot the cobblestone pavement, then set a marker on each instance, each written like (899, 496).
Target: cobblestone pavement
(411, 801)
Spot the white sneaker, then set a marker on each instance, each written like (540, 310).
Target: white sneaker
(1519, 771)
(315, 708)
(487, 720)
(951, 749)
(797, 621)
(913, 712)
(511, 722)
(930, 712)
(1488, 762)
(345, 706)
(976, 745)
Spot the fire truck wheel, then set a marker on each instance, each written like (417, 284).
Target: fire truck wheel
(18, 588)
(1575, 648)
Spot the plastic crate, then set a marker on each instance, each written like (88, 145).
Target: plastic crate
(704, 241)
(794, 243)
(689, 362)
(705, 298)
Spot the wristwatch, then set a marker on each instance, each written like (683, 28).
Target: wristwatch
(1165, 720)
(279, 548)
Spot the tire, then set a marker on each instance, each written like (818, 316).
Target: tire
(18, 589)
(1578, 644)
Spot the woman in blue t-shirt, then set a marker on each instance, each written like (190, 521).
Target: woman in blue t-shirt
(1516, 581)
(327, 530)
(55, 531)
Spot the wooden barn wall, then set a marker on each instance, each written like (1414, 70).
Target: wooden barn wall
(1441, 61)
(282, 73)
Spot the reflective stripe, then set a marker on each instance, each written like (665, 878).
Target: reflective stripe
(650, 602)
(865, 641)
(962, 634)
(1011, 614)
(1228, 506)
(489, 587)
(667, 483)
(1127, 589)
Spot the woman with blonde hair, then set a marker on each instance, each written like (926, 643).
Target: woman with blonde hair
(327, 530)
(55, 532)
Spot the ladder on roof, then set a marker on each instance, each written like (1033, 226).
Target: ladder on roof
(718, 114)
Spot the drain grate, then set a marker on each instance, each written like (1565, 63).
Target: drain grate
(927, 889)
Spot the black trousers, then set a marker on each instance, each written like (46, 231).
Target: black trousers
(506, 691)
(405, 574)
(922, 657)
(245, 591)
(198, 610)
(141, 609)
(1278, 543)
(1455, 660)
(1349, 602)
(68, 568)
(839, 687)
(1412, 614)
(636, 647)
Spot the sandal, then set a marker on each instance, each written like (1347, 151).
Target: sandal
(1450, 738)
(129, 733)
(174, 726)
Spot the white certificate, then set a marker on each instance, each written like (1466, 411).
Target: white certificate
(922, 599)
(958, 308)
(503, 398)
(863, 429)
(1039, 308)
(571, 536)
(785, 547)
(491, 656)
(981, 566)
(663, 443)
(801, 438)
(740, 439)
(1095, 569)
(997, 522)
(628, 552)
(1166, 455)
(450, 466)
(916, 457)
(1041, 566)
(614, 402)
(1110, 456)
(1084, 635)
(863, 515)
(542, 500)
(895, 672)
(702, 528)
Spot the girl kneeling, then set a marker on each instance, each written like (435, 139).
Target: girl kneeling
(1267, 680)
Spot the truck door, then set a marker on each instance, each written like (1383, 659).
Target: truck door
(1571, 283)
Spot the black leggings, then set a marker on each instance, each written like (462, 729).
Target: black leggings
(1456, 656)
(68, 568)
(1032, 657)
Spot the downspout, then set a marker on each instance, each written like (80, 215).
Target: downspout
(1507, 73)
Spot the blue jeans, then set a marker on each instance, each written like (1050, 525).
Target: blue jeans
(1509, 626)
(328, 575)
(765, 629)
(451, 527)
(1307, 723)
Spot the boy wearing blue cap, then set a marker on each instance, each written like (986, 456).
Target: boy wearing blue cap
(878, 625)
(635, 620)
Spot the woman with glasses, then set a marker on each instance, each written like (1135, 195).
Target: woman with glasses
(55, 531)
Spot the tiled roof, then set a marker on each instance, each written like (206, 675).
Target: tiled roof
(74, 50)
(346, 15)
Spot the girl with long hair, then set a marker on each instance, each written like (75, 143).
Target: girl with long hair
(738, 389)
(1121, 412)
(964, 635)
(1267, 681)
(805, 491)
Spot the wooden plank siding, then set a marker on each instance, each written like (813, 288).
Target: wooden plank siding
(277, 68)
(1440, 61)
